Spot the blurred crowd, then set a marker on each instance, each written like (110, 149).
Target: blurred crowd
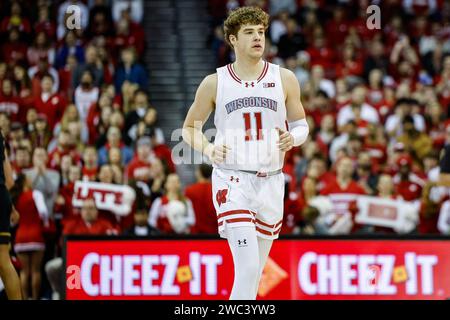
(75, 106)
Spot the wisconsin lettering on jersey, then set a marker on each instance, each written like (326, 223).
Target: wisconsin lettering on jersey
(249, 102)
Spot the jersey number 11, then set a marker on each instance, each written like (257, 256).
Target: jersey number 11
(248, 126)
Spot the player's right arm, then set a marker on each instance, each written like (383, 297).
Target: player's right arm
(197, 115)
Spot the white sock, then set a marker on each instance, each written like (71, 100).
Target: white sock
(243, 243)
(264, 247)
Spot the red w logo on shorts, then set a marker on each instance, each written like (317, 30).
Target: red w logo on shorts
(221, 196)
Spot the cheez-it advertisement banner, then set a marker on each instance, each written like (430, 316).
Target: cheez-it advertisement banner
(297, 269)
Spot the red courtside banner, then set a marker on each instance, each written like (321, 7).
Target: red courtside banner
(297, 269)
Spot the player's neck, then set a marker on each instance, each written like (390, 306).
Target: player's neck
(248, 69)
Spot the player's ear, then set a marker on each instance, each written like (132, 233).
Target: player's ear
(232, 39)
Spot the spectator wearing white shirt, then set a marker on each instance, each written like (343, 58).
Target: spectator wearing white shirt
(339, 142)
(357, 109)
(278, 26)
(319, 81)
(86, 94)
(402, 108)
(44, 67)
(173, 212)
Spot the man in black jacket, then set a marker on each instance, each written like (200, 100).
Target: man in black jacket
(141, 228)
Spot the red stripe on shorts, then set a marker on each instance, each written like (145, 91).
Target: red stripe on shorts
(236, 220)
(231, 212)
(269, 225)
(268, 233)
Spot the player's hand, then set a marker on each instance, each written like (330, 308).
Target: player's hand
(286, 141)
(217, 154)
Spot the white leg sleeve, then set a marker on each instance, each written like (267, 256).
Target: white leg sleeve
(244, 248)
(264, 247)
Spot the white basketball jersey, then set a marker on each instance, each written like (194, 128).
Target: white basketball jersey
(246, 117)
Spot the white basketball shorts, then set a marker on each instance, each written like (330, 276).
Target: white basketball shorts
(244, 199)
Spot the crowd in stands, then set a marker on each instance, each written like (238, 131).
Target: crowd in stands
(74, 105)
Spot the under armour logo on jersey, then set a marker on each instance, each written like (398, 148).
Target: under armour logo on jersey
(248, 84)
(242, 243)
(269, 85)
(232, 178)
(221, 196)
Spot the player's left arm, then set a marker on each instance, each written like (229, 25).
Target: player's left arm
(298, 127)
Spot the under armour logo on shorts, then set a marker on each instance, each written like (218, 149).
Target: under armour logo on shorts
(242, 243)
(234, 179)
(221, 196)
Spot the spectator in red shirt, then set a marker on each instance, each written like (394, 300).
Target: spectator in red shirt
(49, 102)
(44, 23)
(337, 28)
(87, 223)
(14, 51)
(343, 191)
(322, 55)
(407, 184)
(22, 159)
(64, 147)
(29, 239)
(41, 135)
(90, 163)
(93, 120)
(200, 194)
(37, 72)
(128, 34)
(63, 204)
(139, 168)
(327, 131)
(22, 83)
(318, 171)
(350, 65)
(16, 19)
(162, 151)
(293, 205)
(10, 103)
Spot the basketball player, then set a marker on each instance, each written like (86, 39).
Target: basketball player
(253, 102)
(8, 274)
